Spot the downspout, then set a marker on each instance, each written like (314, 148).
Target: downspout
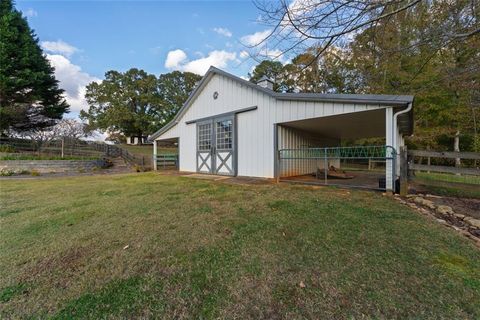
(395, 117)
(394, 127)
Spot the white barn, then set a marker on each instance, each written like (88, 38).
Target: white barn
(230, 126)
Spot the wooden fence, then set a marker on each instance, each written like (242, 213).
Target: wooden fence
(75, 148)
(462, 170)
(411, 161)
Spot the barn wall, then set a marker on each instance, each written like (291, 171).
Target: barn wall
(290, 138)
(255, 128)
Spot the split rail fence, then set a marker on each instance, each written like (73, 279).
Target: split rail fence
(71, 147)
(443, 166)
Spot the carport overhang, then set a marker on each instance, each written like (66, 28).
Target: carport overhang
(355, 125)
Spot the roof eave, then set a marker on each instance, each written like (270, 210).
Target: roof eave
(393, 101)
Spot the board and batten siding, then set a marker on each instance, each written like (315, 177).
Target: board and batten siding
(255, 136)
(290, 138)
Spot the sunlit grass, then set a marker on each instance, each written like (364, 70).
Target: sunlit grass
(153, 246)
(448, 177)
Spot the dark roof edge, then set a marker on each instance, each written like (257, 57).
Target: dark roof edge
(384, 100)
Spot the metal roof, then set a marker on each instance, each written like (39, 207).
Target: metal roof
(264, 78)
(377, 99)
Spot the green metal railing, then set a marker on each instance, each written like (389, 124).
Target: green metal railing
(357, 152)
(166, 161)
(305, 162)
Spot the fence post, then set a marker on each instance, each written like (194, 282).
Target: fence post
(325, 165)
(403, 171)
(154, 156)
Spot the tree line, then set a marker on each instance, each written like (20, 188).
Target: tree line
(429, 49)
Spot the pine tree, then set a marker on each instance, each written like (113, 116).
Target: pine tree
(30, 97)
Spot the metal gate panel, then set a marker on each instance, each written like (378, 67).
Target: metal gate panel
(370, 167)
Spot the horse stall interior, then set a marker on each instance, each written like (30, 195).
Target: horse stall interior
(320, 151)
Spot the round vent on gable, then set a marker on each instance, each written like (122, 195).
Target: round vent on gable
(215, 95)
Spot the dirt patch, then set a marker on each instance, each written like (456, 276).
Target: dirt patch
(67, 261)
(249, 181)
(468, 207)
(459, 213)
(443, 188)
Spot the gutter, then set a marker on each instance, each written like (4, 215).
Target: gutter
(394, 127)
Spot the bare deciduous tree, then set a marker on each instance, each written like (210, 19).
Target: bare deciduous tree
(294, 27)
(70, 129)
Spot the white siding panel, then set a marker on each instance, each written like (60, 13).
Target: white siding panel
(289, 138)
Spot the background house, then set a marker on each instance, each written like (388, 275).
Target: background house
(136, 140)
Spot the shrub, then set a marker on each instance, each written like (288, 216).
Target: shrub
(138, 168)
(11, 172)
(7, 148)
(35, 173)
(6, 172)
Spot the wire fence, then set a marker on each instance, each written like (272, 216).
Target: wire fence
(72, 147)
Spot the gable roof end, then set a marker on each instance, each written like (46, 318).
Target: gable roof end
(377, 99)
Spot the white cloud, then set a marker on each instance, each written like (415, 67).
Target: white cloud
(255, 38)
(217, 58)
(223, 31)
(59, 47)
(30, 13)
(73, 80)
(177, 59)
(244, 54)
(156, 50)
(275, 54)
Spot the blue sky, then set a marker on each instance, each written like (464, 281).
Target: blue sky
(84, 39)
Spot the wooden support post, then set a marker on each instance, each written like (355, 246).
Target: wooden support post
(154, 157)
(279, 166)
(325, 165)
(403, 171)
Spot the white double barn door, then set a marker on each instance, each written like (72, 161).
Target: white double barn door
(215, 146)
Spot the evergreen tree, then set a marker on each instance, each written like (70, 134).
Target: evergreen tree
(272, 70)
(30, 98)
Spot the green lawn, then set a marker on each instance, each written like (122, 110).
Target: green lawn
(448, 177)
(147, 149)
(448, 184)
(203, 249)
(21, 156)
